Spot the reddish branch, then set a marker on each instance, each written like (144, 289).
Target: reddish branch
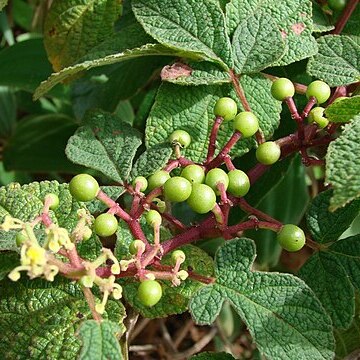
(349, 9)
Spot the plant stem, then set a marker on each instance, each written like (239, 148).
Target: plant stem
(239, 91)
(349, 9)
(213, 136)
(91, 302)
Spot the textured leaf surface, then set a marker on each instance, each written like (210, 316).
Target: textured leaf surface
(152, 160)
(326, 226)
(321, 22)
(343, 165)
(343, 110)
(73, 27)
(100, 340)
(338, 60)
(284, 317)
(212, 356)
(195, 73)
(8, 260)
(292, 17)
(175, 299)
(326, 276)
(39, 319)
(195, 26)
(257, 43)
(191, 109)
(106, 144)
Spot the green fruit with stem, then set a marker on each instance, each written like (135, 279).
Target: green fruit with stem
(53, 200)
(158, 179)
(320, 90)
(87, 233)
(153, 218)
(194, 173)
(226, 108)
(239, 183)
(149, 292)
(180, 137)
(202, 198)
(215, 177)
(247, 123)
(317, 115)
(135, 246)
(105, 225)
(142, 181)
(177, 255)
(177, 189)
(268, 153)
(291, 238)
(282, 88)
(83, 187)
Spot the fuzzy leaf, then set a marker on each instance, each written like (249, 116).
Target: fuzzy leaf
(343, 110)
(106, 144)
(321, 22)
(192, 26)
(87, 24)
(175, 299)
(39, 319)
(326, 226)
(326, 276)
(343, 165)
(292, 17)
(100, 340)
(192, 110)
(282, 314)
(152, 160)
(337, 61)
(257, 43)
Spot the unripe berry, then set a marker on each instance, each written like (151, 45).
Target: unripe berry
(142, 181)
(317, 115)
(83, 187)
(247, 123)
(202, 198)
(149, 292)
(291, 237)
(177, 255)
(135, 246)
(320, 90)
(53, 201)
(105, 225)
(239, 183)
(153, 218)
(268, 153)
(158, 179)
(194, 173)
(177, 189)
(282, 88)
(181, 138)
(226, 108)
(215, 177)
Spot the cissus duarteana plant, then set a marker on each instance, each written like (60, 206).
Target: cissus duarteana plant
(216, 145)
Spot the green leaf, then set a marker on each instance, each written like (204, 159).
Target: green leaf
(100, 340)
(321, 22)
(3, 3)
(39, 319)
(8, 260)
(352, 26)
(152, 160)
(343, 110)
(87, 24)
(337, 61)
(175, 299)
(292, 17)
(257, 43)
(195, 73)
(25, 149)
(24, 65)
(326, 226)
(192, 110)
(212, 356)
(343, 165)
(282, 314)
(192, 26)
(326, 276)
(7, 111)
(106, 144)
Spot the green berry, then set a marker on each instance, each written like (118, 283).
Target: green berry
(177, 254)
(239, 183)
(53, 201)
(177, 189)
(317, 115)
(215, 177)
(87, 233)
(226, 108)
(153, 218)
(282, 88)
(320, 90)
(20, 238)
(291, 237)
(83, 187)
(268, 153)
(135, 246)
(247, 123)
(158, 179)
(337, 5)
(180, 137)
(194, 173)
(149, 292)
(143, 183)
(202, 198)
(105, 225)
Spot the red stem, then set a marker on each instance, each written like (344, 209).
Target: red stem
(213, 136)
(239, 91)
(349, 9)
